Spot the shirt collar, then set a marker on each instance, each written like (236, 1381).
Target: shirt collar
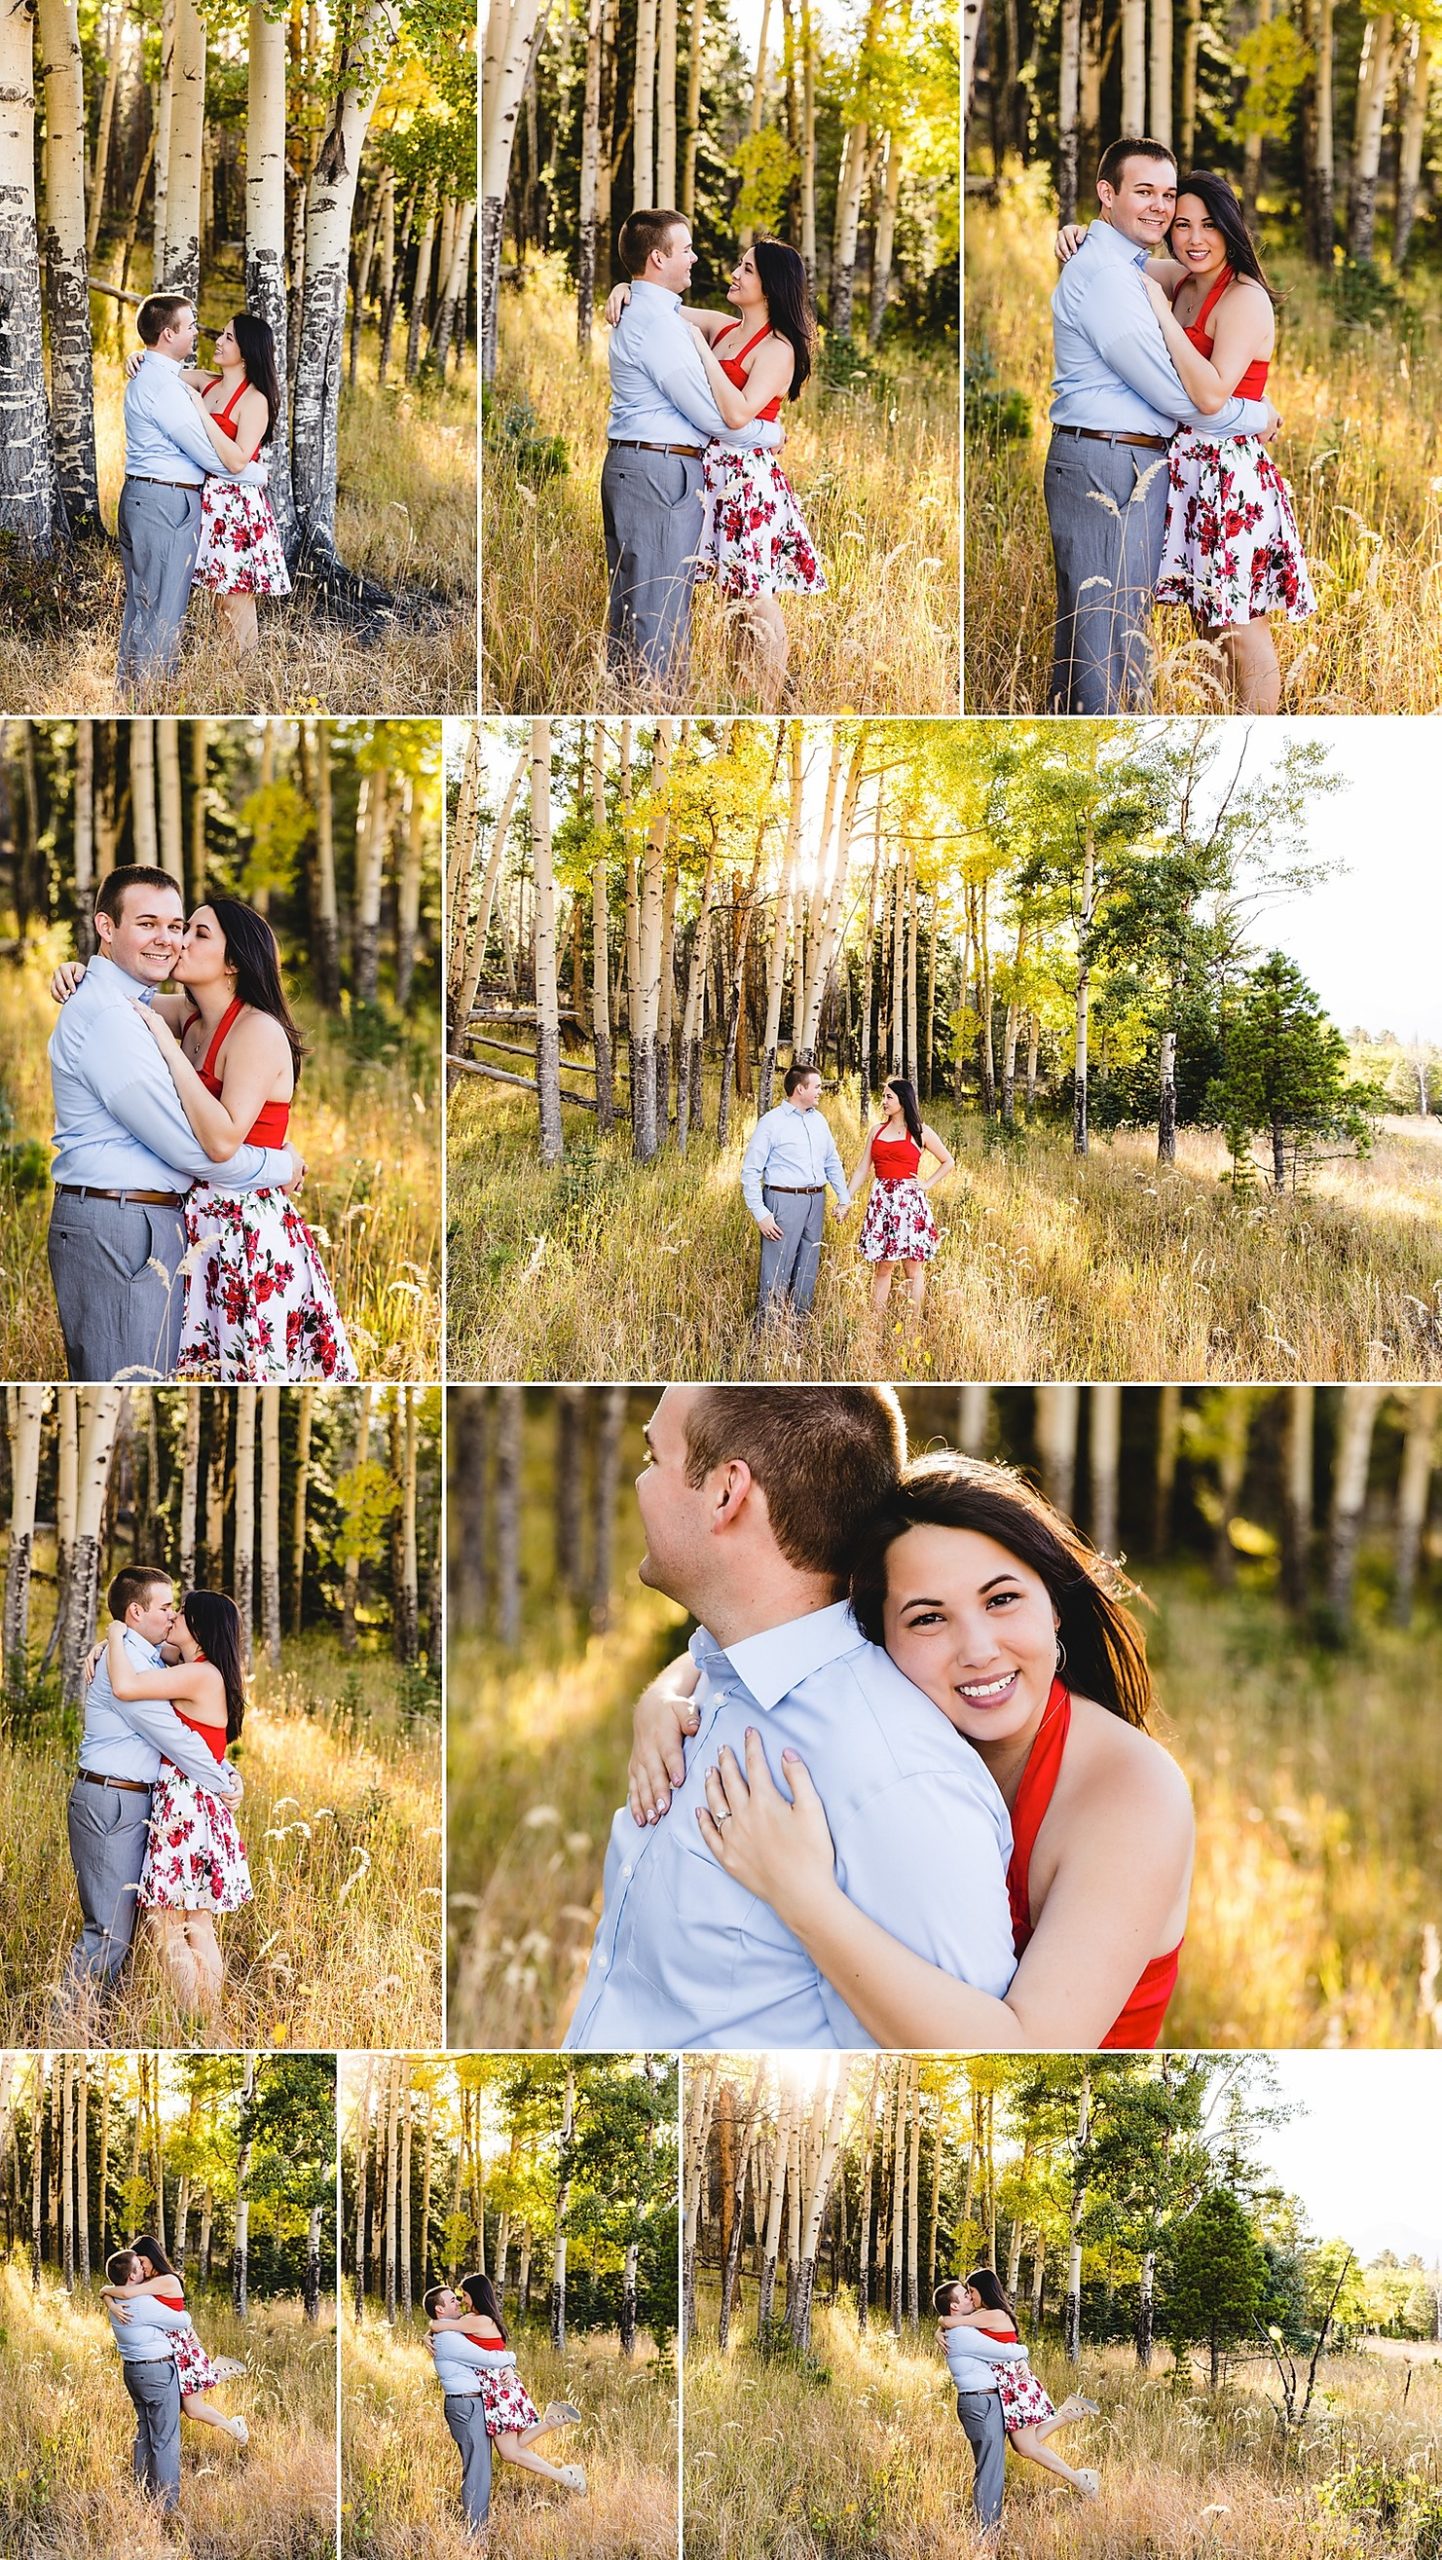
(154, 356)
(772, 1664)
(655, 293)
(1113, 244)
(103, 970)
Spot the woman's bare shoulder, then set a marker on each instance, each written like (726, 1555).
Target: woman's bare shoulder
(1113, 1754)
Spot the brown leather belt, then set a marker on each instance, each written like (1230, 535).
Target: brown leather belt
(149, 1199)
(1103, 435)
(634, 444)
(126, 1786)
(153, 480)
(795, 1190)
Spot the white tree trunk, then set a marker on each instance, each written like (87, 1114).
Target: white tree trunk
(1414, 125)
(643, 109)
(1374, 79)
(27, 1409)
(511, 31)
(270, 1523)
(454, 288)
(1134, 66)
(244, 1574)
(330, 204)
(1160, 113)
(67, 292)
(666, 103)
(265, 235)
(180, 264)
(27, 468)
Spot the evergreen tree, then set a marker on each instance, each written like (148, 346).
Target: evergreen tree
(1216, 2275)
(1284, 1071)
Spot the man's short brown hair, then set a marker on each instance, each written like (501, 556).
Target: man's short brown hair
(132, 1584)
(130, 875)
(117, 2268)
(942, 2298)
(431, 2297)
(826, 1459)
(640, 233)
(1136, 146)
(156, 314)
(798, 1075)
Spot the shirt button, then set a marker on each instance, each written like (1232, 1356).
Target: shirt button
(626, 1870)
(603, 1964)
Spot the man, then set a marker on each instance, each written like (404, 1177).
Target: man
(784, 1173)
(168, 459)
(107, 1818)
(1117, 399)
(972, 2359)
(752, 1503)
(126, 1154)
(459, 2364)
(662, 416)
(145, 2332)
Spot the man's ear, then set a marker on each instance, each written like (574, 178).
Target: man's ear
(738, 1485)
(104, 928)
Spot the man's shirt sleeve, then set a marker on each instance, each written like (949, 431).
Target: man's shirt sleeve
(1140, 356)
(925, 1858)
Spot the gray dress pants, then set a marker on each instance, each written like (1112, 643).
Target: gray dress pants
(790, 1263)
(107, 1828)
(113, 1267)
(981, 2422)
(159, 531)
(155, 2390)
(466, 2418)
(651, 510)
(1107, 508)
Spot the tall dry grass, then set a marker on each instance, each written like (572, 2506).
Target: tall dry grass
(405, 516)
(1359, 389)
(1050, 1266)
(875, 470)
(400, 2471)
(368, 1127)
(67, 2426)
(342, 1824)
(868, 2459)
(1315, 1776)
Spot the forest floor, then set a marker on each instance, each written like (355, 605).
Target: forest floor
(870, 2459)
(367, 1122)
(1315, 1776)
(342, 1824)
(400, 2470)
(1358, 383)
(1050, 1266)
(405, 518)
(874, 467)
(67, 2427)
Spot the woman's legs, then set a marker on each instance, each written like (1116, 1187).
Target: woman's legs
(513, 2448)
(175, 1958)
(1253, 670)
(916, 1285)
(1028, 2443)
(1066, 2416)
(766, 630)
(195, 2405)
(206, 1958)
(239, 616)
(881, 1276)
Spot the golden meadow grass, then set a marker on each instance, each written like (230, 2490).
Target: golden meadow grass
(342, 1824)
(876, 476)
(406, 516)
(872, 2462)
(1361, 447)
(1316, 1780)
(400, 2471)
(370, 1135)
(67, 2426)
(1050, 1267)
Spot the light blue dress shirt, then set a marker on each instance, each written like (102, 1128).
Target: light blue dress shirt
(128, 1740)
(460, 2363)
(660, 393)
(164, 439)
(1112, 366)
(972, 2358)
(150, 2331)
(118, 1121)
(793, 1148)
(685, 1956)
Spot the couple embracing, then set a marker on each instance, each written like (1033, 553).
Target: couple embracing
(165, 2368)
(487, 2406)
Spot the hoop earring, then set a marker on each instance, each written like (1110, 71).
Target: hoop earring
(1060, 1656)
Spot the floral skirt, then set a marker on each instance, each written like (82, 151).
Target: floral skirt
(240, 553)
(195, 1859)
(898, 1225)
(1231, 552)
(196, 2371)
(507, 2404)
(753, 540)
(258, 1305)
(1023, 2400)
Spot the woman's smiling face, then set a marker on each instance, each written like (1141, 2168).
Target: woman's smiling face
(1196, 239)
(745, 286)
(227, 350)
(973, 1627)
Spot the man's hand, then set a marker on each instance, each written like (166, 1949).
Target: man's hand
(769, 1227)
(840, 1209)
(297, 1176)
(1270, 434)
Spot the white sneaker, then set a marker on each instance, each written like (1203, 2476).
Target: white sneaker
(575, 2478)
(562, 2413)
(1087, 2484)
(240, 2430)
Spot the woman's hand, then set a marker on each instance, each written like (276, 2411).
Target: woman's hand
(616, 301)
(120, 2310)
(133, 363)
(1068, 240)
(665, 1714)
(782, 1852)
(156, 1024)
(92, 1665)
(66, 979)
(1159, 298)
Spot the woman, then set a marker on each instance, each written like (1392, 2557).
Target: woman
(1231, 553)
(154, 2274)
(898, 1225)
(240, 555)
(195, 1865)
(754, 543)
(513, 2421)
(1028, 2412)
(258, 1305)
(984, 1595)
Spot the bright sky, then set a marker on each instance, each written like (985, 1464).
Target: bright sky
(1361, 2151)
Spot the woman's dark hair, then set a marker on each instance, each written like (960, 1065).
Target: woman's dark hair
(153, 2254)
(1224, 208)
(905, 1092)
(984, 2280)
(214, 1621)
(782, 271)
(254, 955)
(257, 347)
(480, 2293)
(1106, 1654)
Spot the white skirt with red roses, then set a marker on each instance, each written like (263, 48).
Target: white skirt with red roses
(258, 1305)
(753, 539)
(197, 2371)
(1023, 2401)
(506, 2404)
(240, 553)
(1231, 552)
(195, 1858)
(898, 1225)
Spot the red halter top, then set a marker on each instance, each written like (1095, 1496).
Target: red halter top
(1140, 2024)
(273, 1118)
(894, 1159)
(1254, 381)
(213, 1736)
(226, 417)
(734, 368)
